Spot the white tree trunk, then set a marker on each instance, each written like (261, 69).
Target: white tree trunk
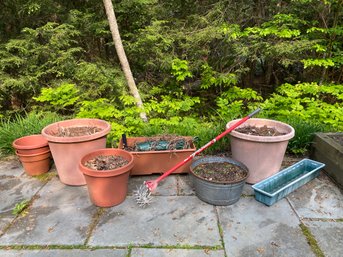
(122, 56)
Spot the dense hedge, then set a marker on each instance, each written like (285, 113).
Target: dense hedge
(197, 64)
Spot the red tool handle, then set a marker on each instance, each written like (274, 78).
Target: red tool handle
(167, 173)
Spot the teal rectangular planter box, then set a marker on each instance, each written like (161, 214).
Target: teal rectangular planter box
(272, 189)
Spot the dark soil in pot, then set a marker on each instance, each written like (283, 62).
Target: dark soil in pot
(259, 131)
(220, 172)
(76, 131)
(106, 162)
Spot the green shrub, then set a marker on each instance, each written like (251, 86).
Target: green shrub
(304, 134)
(21, 126)
(308, 101)
(60, 99)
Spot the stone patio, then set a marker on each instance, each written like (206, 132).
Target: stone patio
(61, 221)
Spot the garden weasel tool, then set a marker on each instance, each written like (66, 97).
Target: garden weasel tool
(143, 193)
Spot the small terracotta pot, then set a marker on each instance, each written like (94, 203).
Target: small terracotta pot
(31, 144)
(107, 187)
(68, 151)
(35, 164)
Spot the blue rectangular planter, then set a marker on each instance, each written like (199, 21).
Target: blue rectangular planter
(272, 189)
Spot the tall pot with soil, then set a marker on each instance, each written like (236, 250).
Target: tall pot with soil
(70, 140)
(107, 173)
(218, 180)
(261, 145)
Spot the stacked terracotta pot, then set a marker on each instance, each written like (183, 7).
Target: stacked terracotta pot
(34, 154)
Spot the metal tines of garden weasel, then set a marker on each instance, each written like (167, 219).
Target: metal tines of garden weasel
(143, 194)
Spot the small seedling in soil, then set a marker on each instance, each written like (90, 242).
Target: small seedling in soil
(220, 172)
(106, 162)
(77, 131)
(20, 207)
(259, 131)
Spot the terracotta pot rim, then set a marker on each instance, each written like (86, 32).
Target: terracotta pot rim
(289, 130)
(220, 159)
(106, 173)
(32, 155)
(104, 125)
(42, 143)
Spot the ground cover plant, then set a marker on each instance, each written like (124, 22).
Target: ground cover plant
(196, 65)
(23, 125)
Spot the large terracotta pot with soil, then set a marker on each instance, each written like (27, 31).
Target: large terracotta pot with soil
(31, 144)
(70, 140)
(218, 180)
(107, 173)
(261, 145)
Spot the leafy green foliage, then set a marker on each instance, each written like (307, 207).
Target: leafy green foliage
(60, 98)
(21, 126)
(236, 101)
(167, 106)
(122, 120)
(39, 56)
(197, 66)
(308, 101)
(180, 70)
(99, 80)
(210, 77)
(304, 134)
(20, 207)
(41, 60)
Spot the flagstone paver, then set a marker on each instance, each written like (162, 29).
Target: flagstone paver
(140, 252)
(11, 166)
(320, 198)
(60, 215)
(248, 190)
(185, 185)
(167, 221)
(65, 253)
(5, 220)
(177, 223)
(15, 187)
(166, 187)
(329, 235)
(252, 229)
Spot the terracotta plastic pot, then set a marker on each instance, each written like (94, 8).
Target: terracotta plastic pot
(68, 151)
(150, 162)
(107, 187)
(262, 155)
(217, 193)
(35, 164)
(31, 144)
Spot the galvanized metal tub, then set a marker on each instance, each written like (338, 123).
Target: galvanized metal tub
(217, 193)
